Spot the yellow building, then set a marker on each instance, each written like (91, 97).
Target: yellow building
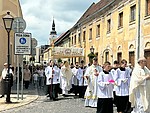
(12, 6)
(113, 28)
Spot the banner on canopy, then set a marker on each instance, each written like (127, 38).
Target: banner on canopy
(67, 52)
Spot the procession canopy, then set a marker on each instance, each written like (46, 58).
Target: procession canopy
(67, 52)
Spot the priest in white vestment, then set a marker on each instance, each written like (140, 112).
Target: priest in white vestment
(65, 78)
(91, 76)
(140, 88)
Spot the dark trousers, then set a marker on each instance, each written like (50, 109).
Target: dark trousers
(104, 105)
(47, 89)
(82, 90)
(26, 84)
(53, 92)
(114, 99)
(122, 103)
(75, 89)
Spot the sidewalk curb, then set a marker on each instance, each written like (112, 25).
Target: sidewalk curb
(22, 104)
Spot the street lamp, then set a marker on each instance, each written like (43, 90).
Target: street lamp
(8, 20)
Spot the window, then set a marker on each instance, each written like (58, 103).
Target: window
(131, 58)
(108, 25)
(120, 24)
(133, 13)
(75, 40)
(98, 30)
(79, 39)
(147, 7)
(119, 57)
(90, 34)
(84, 35)
(106, 56)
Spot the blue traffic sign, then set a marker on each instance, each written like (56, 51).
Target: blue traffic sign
(22, 40)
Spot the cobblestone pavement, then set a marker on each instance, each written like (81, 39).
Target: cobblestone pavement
(63, 105)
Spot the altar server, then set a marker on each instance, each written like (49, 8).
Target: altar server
(105, 90)
(122, 79)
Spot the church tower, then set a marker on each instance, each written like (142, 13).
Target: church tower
(53, 33)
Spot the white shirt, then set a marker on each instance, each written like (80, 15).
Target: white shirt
(105, 88)
(4, 72)
(35, 76)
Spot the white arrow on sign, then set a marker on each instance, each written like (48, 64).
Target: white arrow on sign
(18, 25)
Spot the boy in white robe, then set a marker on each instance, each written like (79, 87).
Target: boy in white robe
(122, 79)
(91, 76)
(113, 71)
(82, 83)
(105, 90)
(48, 72)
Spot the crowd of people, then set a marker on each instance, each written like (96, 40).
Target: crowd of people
(101, 86)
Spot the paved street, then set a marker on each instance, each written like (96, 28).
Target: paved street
(44, 105)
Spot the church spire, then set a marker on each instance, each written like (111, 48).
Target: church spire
(53, 25)
(53, 32)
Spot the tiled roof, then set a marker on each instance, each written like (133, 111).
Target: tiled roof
(94, 8)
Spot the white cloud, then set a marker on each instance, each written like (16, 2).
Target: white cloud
(38, 15)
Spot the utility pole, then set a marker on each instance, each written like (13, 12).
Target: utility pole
(139, 30)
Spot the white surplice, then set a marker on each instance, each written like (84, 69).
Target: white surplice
(48, 74)
(105, 88)
(122, 79)
(74, 77)
(91, 91)
(80, 77)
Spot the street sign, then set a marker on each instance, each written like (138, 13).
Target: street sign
(18, 25)
(34, 42)
(22, 43)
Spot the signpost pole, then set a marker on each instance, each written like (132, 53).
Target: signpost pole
(22, 81)
(22, 47)
(18, 26)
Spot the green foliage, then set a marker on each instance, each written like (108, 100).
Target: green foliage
(59, 60)
(91, 56)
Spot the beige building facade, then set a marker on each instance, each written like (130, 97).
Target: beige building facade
(12, 6)
(113, 28)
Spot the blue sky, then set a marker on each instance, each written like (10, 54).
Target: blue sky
(39, 14)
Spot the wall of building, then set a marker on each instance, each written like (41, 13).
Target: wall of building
(120, 40)
(15, 10)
